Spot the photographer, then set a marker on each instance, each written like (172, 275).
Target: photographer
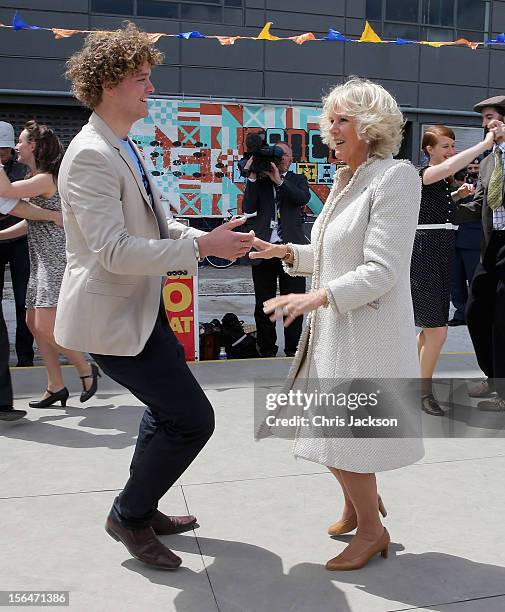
(278, 196)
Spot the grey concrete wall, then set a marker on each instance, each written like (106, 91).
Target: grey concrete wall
(446, 78)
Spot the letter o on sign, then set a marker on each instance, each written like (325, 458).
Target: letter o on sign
(186, 297)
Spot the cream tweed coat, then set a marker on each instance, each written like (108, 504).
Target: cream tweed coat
(360, 251)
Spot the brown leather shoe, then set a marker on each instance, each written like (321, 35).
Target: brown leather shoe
(342, 527)
(143, 545)
(379, 546)
(493, 405)
(168, 525)
(482, 389)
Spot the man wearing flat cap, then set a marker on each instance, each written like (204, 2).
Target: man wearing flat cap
(486, 303)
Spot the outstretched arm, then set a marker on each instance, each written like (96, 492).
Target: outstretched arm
(27, 210)
(28, 188)
(15, 231)
(452, 165)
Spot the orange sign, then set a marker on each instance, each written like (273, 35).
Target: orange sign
(181, 307)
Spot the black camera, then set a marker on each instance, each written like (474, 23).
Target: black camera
(263, 154)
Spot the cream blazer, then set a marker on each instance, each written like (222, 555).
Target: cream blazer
(119, 245)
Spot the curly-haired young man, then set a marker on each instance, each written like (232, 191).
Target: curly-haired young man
(119, 244)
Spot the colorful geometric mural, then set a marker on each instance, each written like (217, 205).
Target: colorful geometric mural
(192, 150)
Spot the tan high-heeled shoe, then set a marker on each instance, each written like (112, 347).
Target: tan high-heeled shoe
(380, 546)
(342, 527)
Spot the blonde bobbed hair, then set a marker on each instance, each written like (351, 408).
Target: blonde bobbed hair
(379, 121)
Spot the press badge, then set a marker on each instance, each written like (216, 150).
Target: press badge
(274, 224)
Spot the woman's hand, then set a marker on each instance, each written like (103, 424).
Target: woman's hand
(294, 304)
(497, 129)
(57, 218)
(464, 191)
(267, 250)
(489, 139)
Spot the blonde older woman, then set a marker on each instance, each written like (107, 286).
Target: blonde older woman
(361, 322)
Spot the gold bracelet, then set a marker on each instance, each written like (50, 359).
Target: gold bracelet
(326, 303)
(289, 253)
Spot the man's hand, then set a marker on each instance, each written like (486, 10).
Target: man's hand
(251, 175)
(274, 174)
(267, 250)
(225, 243)
(464, 191)
(293, 305)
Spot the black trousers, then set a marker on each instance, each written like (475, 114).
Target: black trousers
(16, 255)
(5, 376)
(176, 425)
(485, 311)
(265, 277)
(465, 264)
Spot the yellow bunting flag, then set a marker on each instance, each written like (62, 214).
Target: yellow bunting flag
(265, 33)
(369, 35)
(437, 45)
(62, 33)
(299, 40)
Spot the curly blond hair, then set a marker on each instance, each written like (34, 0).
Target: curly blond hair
(106, 59)
(379, 120)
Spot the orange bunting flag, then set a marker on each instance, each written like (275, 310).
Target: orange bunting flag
(467, 43)
(265, 33)
(299, 40)
(369, 35)
(154, 38)
(227, 40)
(62, 33)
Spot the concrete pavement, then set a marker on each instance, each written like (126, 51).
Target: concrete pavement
(262, 544)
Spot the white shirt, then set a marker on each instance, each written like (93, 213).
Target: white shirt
(274, 236)
(499, 213)
(7, 204)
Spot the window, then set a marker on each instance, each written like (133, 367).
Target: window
(441, 20)
(373, 9)
(438, 34)
(217, 11)
(153, 8)
(438, 12)
(403, 10)
(200, 12)
(113, 7)
(400, 30)
(472, 14)
(233, 16)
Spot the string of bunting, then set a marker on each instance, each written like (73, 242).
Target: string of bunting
(368, 36)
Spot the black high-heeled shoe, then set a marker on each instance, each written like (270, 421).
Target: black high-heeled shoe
(57, 396)
(95, 375)
(430, 405)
